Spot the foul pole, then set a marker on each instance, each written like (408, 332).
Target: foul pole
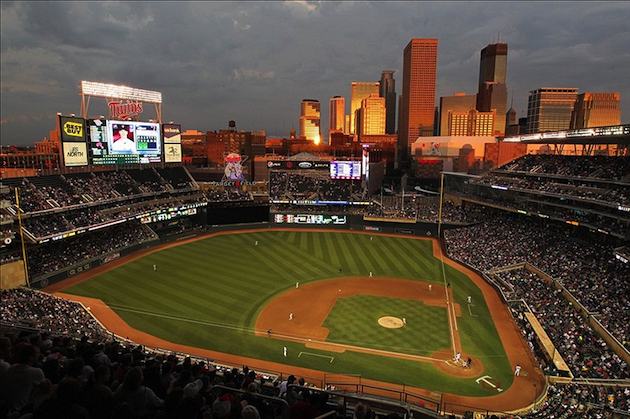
(19, 212)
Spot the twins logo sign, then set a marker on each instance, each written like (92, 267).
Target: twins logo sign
(124, 110)
(233, 171)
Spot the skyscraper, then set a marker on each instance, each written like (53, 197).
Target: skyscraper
(511, 122)
(387, 90)
(418, 97)
(596, 109)
(373, 116)
(492, 93)
(470, 123)
(337, 115)
(459, 103)
(359, 90)
(550, 109)
(310, 120)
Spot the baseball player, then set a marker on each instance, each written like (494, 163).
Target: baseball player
(469, 299)
(154, 268)
(297, 285)
(290, 316)
(370, 274)
(285, 351)
(517, 370)
(405, 321)
(430, 286)
(458, 356)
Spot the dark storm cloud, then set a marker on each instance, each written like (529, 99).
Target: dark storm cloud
(255, 61)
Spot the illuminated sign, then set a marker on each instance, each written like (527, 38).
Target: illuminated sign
(75, 154)
(298, 165)
(125, 142)
(124, 110)
(172, 153)
(349, 169)
(72, 128)
(584, 132)
(115, 91)
(309, 219)
(172, 133)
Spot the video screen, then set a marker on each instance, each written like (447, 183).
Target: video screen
(345, 169)
(124, 142)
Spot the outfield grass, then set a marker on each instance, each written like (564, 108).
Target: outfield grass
(354, 321)
(208, 294)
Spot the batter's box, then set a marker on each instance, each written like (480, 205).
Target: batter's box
(332, 358)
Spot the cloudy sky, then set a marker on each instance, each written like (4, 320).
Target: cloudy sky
(254, 61)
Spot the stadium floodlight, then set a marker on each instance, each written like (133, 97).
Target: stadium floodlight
(92, 88)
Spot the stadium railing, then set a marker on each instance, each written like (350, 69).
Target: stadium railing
(280, 406)
(381, 405)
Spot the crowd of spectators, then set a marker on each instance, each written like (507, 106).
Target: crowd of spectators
(50, 192)
(586, 354)
(312, 186)
(425, 209)
(53, 256)
(585, 265)
(598, 167)
(569, 401)
(23, 307)
(603, 192)
(593, 220)
(55, 223)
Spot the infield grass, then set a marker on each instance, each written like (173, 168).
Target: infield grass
(208, 293)
(354, 321)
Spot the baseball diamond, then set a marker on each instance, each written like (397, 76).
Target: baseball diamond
(224, 297)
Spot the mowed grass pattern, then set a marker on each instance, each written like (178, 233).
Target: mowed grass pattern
(208, 293)
(354, 321)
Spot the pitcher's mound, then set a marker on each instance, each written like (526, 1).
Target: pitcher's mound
(390, 322)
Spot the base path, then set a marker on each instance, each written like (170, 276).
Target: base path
(521, 394)
(312, 303)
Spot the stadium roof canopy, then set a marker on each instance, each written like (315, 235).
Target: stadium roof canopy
(616, 134)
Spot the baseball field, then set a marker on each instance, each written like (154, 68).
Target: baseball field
(383, 307)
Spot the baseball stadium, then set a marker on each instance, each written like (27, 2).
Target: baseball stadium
(311, 283)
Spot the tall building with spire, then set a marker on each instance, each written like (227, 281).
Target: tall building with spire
(387, 90)
(492, 93)
(360, 90)
(417, 110)
(336, 115)
(310, 120)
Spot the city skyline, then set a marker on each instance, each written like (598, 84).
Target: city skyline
(241, 74)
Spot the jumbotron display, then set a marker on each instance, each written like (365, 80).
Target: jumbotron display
(124, 142)
(345, 169)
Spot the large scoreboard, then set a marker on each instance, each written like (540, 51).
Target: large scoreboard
(113, 142)
(348, 169)
(124, 142)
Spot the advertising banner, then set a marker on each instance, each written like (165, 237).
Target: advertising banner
(172, 153)
(75, 154)
(297, 165)
(172, 133)
(72, 129)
